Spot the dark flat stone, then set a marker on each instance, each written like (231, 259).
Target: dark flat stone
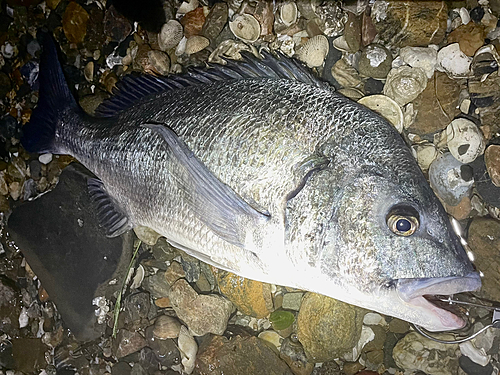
(59, 235)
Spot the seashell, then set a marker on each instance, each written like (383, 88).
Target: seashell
(230, 49)
(485, 60)
(138, 277)
(314, 51)
(465, 140)
(181, 47)
(341, 44)
(166, 327)
(445, 176)
(188, 348)
(195, 44)
(245, 27)
(405, 83)
(420, 57)
(187, 6)
(453, 61)
(159, 62)
(425, 153)
(386, 107)
(170, 35)
(271, 336)
(351, 93)
(288, 13)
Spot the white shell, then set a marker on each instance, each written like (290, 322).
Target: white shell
(465, 140)
(288, 13)
(230, 49)
(341, 44)
(196, 43)
(420, 57)
(405, 83)
(385, 107)
(187, 6)
(425, 154)
(188, 348)
(170, 35)
(476, 355)
(271, 336)
(453, 61)
(314, 51)
(245, 27)
(138, 277)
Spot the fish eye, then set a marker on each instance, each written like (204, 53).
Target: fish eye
(403, 221)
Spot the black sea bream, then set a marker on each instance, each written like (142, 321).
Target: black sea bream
(259, 168)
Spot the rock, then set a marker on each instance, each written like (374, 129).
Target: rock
(240, 355)
(127, 342)
(462, 210)
(193, 22)
(484, 240)
(375, 61)
(295, 357)
(476, 355)
(146, 235)
(318, 317)
(345, 74)
(174, 272)
(470, 37)
(368, 30)
(157, 285)
(159, 62)
(137, 306)
(165, 351)
(202, 313)
(404, 84)
(446, 179)
(75, 22)
(373, 86)
(121, 368)
(28, 354)
(352, 32)
(191, 267)
(376, 340)
(292, 301)
(453, 61)
(116, 26)
(440, 94)
(271, 337)
(472, 368)
(465, 141)
(417, 353)
(426, 153)
(492, 161)
(215, 21)
(420, 57)
(251, 297)
(402, 24)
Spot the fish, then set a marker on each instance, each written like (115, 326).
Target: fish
(259, 168)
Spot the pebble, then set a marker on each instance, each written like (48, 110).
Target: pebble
(202, 313)
(436, 105)
(127, 342)
(157, 285)
(165, 350)
(292, 301)
(75, 22)
(215, 21)
(137, 307)
(453, 61)
(484, 240)
(375, 61)
(45, 158)
(472, 368)
(193, 22)
(251, 297)
(446, 179)
(318, 317)
(116, 26)
(293, 354)
(388, 16)
(404, 84)
(352, 32)
(470, 37)
(174, 272)
(462, 210)
(240, 355)
(417, 353)
(492, 161)
(191, 267)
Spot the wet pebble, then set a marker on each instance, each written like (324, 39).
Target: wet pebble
(116, 26)
(157, 285)
(318, 317)
(453, 61)
(375, 61)
(469, 37)
(492, 161)
(292, 301)
(193, 22)
(215, 21)
(75, 22)
(202, 313)
(191, 267)
(165, 350)
(251, 297)
(127, 342)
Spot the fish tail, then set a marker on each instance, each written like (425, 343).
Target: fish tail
(39, 135)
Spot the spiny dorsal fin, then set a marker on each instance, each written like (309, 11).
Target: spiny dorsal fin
(132, 89)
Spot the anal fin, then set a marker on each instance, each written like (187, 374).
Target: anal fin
(111, 217)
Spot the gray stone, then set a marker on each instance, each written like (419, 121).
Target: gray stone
(292, 301)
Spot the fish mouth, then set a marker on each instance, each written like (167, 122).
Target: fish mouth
(423, 294)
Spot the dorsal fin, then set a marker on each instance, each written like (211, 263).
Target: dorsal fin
(132, 89)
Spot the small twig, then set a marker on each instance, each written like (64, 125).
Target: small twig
(116, 311)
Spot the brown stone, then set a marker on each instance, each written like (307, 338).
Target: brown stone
(75, 22)
(410, 23)
(461, 210)
(240, 355)
(193, 22)
(174, 272)
(484, 241)
(492, 160)
(250, 297)
(436, 106)
(469, 37)
(29, 354)
(352, 32)
(368, 30)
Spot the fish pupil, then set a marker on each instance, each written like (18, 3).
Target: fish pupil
(403, 225)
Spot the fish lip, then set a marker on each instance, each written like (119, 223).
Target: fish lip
(420, 293)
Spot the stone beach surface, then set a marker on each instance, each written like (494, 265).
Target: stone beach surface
(433, 67)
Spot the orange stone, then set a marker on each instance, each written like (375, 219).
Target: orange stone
(470, 38)
(193, 22)
(75, 22)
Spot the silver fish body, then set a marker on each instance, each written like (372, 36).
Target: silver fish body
(277, 179)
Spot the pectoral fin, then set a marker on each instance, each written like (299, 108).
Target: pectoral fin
(216, 204)
(111, 217)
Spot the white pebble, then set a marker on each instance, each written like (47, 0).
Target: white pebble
(45, 158)
(453, 61)
(23, 318)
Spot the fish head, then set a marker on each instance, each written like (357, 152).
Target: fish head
(382, 242)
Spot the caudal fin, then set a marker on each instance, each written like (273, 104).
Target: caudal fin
(39, 135)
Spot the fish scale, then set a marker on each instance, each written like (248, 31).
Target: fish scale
(259, 168)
